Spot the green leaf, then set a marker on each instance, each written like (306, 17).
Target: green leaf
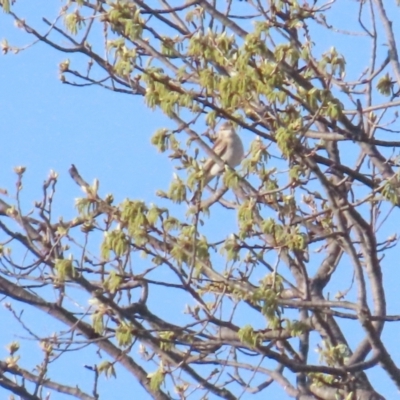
(113, 282)
(385, 85)
(98, 323)
(177, 190)
(124, 335)
(6, 6)
(116, 241)
(231, 249)
(74, 22)
(160, 140)
(156, 378)
(64, 269)
(107, 368)
(167, 340)
(248, 336)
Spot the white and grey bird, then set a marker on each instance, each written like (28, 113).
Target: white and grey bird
(228, 147)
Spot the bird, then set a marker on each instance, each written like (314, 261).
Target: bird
(228, 147)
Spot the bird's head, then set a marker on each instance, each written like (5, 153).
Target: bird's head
(226, 129)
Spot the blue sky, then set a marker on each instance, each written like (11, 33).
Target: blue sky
(47, 125)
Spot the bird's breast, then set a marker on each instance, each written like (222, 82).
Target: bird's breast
(234, 153)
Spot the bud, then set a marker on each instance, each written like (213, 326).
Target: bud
(19, 170)
(19, 23)
(64, 66)
(109, 199)
(53, 174)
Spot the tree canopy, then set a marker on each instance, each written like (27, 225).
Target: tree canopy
(308, 266)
